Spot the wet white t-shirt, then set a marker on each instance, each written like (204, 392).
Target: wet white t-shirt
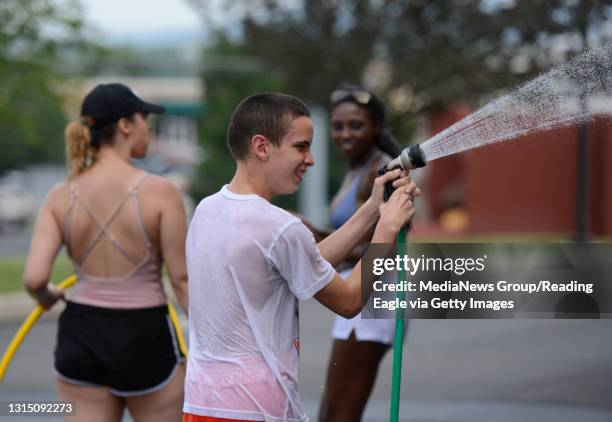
(248, 263)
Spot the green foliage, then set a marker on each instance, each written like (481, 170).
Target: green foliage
(434, 52)
(35, 34)
(31, 120)
(229, 76)
(11, 270)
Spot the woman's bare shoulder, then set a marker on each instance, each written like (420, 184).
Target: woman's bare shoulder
(160, 182)
(160, 187)
(58, 194)
(58, 198)
(365, 187)
(381, 160)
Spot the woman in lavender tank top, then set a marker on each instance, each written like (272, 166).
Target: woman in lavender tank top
(115, 347)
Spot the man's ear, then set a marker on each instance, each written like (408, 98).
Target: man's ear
(260, 146)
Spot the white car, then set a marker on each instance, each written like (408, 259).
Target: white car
(17, 206)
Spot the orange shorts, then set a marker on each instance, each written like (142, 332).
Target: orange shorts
(189, 417)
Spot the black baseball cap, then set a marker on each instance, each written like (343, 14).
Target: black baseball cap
(107, 103)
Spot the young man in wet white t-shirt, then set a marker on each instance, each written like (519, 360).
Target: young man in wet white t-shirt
(249, 262)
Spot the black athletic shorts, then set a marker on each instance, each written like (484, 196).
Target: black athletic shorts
(130, 351)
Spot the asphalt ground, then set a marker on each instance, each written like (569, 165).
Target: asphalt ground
(454, 370)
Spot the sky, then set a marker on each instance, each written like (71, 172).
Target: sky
(143, 21)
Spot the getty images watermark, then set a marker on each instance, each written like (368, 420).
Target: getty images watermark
(470, 280)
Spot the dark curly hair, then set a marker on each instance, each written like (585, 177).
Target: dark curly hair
(376, 111)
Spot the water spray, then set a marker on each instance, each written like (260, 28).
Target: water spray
(552, 100)
(555, 99)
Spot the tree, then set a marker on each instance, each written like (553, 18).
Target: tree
(35, 34)
(449, 51)
(434, 51)
(229, 76)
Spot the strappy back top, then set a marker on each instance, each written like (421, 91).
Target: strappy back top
(141, 287)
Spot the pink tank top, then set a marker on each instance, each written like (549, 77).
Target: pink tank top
(141, 288)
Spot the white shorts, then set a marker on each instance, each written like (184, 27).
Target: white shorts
(378, 330)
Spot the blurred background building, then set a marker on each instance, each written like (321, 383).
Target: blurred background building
(527, 186)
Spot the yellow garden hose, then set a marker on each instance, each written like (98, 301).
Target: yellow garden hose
(25, 329)
(177, 328)
(26, 326)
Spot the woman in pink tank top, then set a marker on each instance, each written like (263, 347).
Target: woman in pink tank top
(116, 347)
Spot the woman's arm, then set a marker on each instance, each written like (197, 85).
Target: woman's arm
(363, 193)
(340, 243)
(46, 244)
(173, 231)
(345, 296)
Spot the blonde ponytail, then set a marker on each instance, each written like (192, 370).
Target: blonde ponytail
(80, 154)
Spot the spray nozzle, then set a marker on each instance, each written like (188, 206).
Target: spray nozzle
(411, 158)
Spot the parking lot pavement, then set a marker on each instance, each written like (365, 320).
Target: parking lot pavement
(454, 370)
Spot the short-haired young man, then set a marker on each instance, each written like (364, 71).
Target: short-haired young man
(249, 262)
